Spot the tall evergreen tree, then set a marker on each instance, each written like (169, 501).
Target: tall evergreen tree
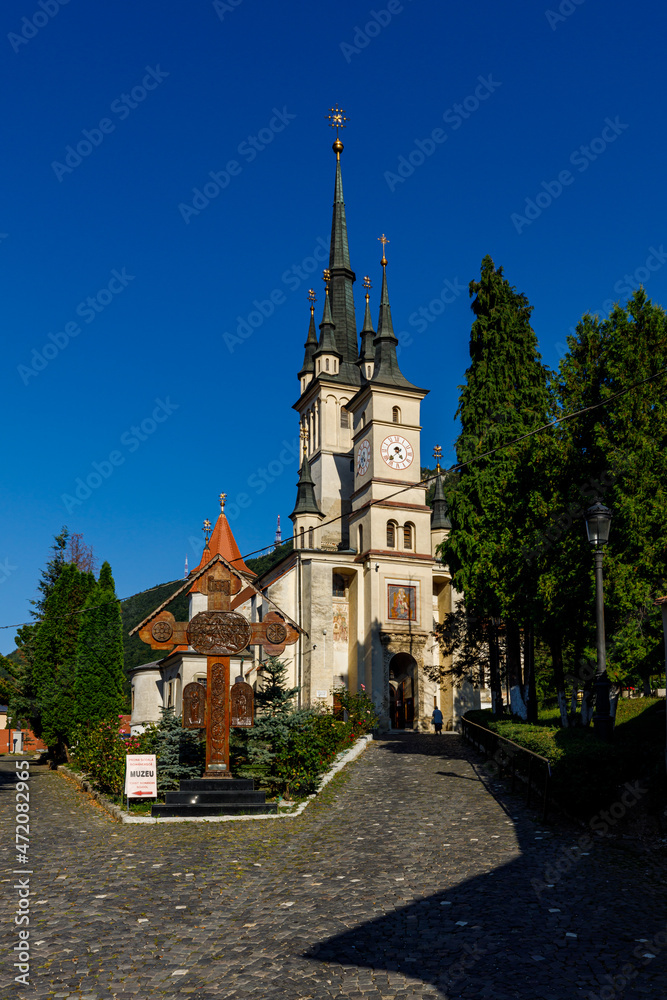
(619, 453)
(99, 684)
(55, 657)
(492, 504)
(51, 572)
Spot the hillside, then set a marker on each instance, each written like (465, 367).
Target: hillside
(138, 607)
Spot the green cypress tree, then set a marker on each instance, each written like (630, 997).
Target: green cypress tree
(55, 657)
(492, 502)
(99, 684)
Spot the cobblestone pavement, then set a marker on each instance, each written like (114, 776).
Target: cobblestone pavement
(410, 876)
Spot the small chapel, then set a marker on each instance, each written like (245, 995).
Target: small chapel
(363, 582)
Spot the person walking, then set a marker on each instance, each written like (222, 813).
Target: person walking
(437, 721)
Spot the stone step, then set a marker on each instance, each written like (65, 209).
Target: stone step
(217, 784)
(217, 809)
(223, 796)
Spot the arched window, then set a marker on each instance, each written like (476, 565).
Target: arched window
(338, 585)
(327, 364)
(396, 415)
(311, 538)
(369, 371)
(363, 419)
(318, 367)
(344, 417)
(391, 535)
(302, 538)
(407, 536)
(361, 538)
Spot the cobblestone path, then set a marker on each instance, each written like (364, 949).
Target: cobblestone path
(410, 876)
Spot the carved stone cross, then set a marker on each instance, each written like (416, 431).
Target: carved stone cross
(218, 633)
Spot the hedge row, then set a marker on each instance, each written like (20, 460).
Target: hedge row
(589, 775)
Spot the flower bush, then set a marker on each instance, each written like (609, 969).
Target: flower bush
(99, 751)
(359, 707)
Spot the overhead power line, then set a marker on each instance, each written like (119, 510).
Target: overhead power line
(422, 482)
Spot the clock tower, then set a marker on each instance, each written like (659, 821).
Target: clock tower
(388, 520)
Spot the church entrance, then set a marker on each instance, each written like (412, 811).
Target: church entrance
(402, 669)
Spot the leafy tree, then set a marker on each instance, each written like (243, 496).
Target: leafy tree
(100, 678)
(492, 504)
(9, 679)
(23, 707)
(53, 669)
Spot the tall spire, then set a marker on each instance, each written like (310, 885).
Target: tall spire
(278, 540)
(327, 343)
(308, 367)
(366, 358)
(342, 275)
(386, 371)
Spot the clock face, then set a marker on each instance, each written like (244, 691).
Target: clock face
(363, 457)
(397, 452)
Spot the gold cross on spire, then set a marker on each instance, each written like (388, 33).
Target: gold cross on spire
(326, 276)
(437, 455)
(207, 530)
(337, 119)
(367, 282)
(383, 240)
(222, 497)
(312, 297)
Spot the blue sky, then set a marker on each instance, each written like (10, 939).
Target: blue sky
(117, 296)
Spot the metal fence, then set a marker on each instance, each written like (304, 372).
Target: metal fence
(512, 759)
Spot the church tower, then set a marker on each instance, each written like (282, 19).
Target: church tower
(328, 379)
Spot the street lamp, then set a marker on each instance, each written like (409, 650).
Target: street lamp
(598, 521)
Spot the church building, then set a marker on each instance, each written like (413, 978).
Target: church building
(362, 580)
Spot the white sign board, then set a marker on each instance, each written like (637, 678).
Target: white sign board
(140, 776)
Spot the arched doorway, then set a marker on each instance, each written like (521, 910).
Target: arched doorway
(402, 674)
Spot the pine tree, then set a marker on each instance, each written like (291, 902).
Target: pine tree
(54, 664)
(492, 503)
(179, 752)
(51, 572)
(256, 749)
(99, 684)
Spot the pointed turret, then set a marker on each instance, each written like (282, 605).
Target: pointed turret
(327, 357)
(342, 275)
(220, 541)
(439, 517)
(308, 368)
(366, 359)
(440, 523)
(386, 370)
(305, 492)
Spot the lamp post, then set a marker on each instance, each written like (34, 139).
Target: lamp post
(598, 521)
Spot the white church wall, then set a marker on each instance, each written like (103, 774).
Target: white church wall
(146, 696)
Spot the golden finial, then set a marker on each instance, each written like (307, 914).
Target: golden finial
(337, 120)
(383, 240)
(304, 439)
(312, 297)
(222, 497)
(326, 276)
(437, 455)
(207, 530)
(367, 285)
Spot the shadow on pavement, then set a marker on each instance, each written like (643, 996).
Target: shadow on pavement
(504, 935)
